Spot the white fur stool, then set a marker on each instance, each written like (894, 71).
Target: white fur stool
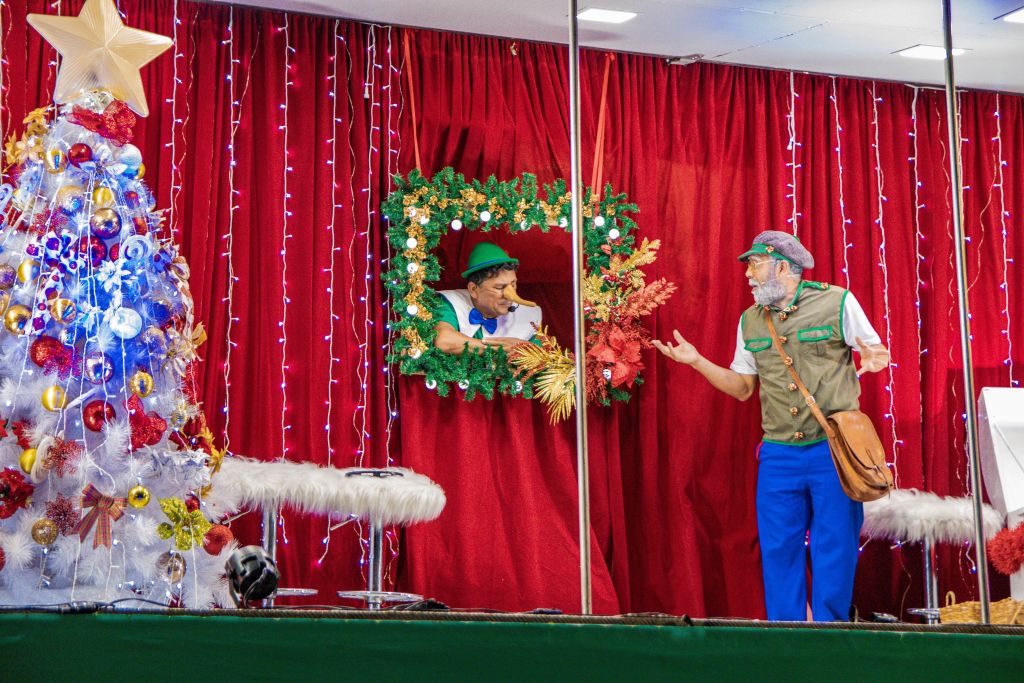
(383, 497)
(909, 515)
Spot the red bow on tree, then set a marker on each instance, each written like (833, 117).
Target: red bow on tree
(104, 509)
(622, 352)
(146, 428)
(115, 123)
(191, 437)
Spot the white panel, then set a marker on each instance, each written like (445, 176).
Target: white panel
(1001, 437)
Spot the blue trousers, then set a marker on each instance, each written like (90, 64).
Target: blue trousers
(798, 492)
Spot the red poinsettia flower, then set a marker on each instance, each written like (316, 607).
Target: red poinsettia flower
(14, 492)
(622, 354)
(147, 428)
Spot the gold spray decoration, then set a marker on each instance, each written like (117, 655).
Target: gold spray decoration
(555, 370)
(30, 146)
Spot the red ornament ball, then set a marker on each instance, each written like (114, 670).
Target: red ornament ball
(94, 247)
(141, 225)
(131, 198)
(79, 153)
(44, 348)
(3, 559)
(97, 413)
(216, 538)
(192, 503)
(114, 251)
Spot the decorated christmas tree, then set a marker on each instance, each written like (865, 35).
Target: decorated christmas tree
(104, 453)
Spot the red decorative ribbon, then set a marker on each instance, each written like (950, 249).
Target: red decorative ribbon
(104, 509)
(115, 123)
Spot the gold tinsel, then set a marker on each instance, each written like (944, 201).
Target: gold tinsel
(555, 370)
(598, 298)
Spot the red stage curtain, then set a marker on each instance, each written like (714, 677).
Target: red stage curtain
(703, 150)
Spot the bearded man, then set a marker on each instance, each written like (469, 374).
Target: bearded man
(798, 490)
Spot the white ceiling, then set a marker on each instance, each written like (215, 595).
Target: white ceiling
(845, 37)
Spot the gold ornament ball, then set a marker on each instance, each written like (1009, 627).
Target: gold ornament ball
(71, 198)
(16, 318)
(138, 496)
(102, 197)
(28, 270)
(141, 383)
(27, 459)
(44, 531)
(55, 161)
(64, 311)
(5, 298)
(54, 398)
(178, 417)
(142, 172)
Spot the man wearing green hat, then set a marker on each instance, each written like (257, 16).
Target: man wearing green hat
(489, 311)
(799, 496)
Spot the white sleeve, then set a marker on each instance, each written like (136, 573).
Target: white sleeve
(856, 323)
(742, 360)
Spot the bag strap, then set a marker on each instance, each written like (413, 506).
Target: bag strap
(788, 362)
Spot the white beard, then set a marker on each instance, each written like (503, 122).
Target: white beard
(768, 293)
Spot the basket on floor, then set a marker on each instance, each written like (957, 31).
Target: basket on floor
(1008, 611)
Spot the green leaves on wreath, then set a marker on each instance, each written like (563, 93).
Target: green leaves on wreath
(187, 527)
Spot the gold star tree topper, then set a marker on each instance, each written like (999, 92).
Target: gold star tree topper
(100, 52)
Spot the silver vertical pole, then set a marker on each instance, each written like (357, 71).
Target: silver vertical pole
(582, 462)
(269, 540)
(376, 571)
(931, 579)
(953, 124)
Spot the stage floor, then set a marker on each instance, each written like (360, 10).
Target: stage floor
(289, 644)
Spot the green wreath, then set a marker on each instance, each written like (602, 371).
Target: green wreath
(421, 212)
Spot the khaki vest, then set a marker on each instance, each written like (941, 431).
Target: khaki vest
(811, 332)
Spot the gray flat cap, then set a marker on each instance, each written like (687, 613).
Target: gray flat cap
(782, 245)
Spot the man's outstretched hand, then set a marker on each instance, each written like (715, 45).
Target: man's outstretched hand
(682, 352)
(508, 343)
(873, 357)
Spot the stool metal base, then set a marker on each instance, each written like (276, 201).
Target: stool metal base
(374, 599)
(295, 592)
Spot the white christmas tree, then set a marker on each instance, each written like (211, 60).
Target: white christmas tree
(104, 453)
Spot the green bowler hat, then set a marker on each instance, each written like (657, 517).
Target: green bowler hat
(485, 255)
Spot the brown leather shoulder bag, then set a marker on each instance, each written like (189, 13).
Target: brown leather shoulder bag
(857, 451)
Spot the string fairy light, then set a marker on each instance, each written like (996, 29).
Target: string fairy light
(918, 257)
(234, 115)
(394, 146)
(883, 264)
(791, 146)
(176, 181)
(332, 93)
(1000, 177)
(4, 32)
(391, 163)
(843, 220)
(362, 336)
(285, 236)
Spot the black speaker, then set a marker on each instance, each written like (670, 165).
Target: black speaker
(252, 575)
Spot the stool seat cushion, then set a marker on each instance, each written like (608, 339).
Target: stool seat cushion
(394, 499)
(915, 516)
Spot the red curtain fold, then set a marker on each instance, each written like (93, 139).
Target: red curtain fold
(705, 151)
